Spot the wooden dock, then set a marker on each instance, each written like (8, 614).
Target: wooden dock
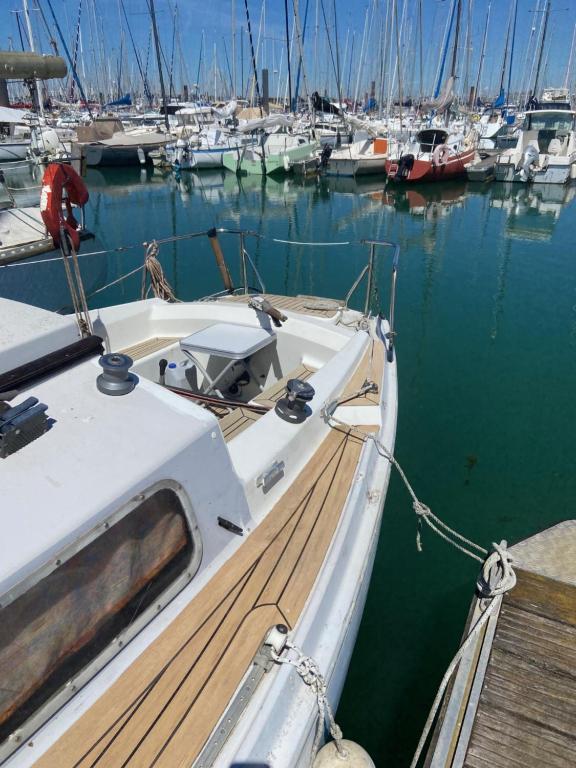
(513, 700)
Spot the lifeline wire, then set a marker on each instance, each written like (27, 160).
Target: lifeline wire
(173, 239)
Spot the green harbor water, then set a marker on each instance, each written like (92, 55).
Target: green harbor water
(486, 322)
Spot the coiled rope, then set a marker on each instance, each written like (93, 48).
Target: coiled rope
(310, 674)
(160, 287)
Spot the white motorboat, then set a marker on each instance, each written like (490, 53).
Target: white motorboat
(545, 152)
(177, 528)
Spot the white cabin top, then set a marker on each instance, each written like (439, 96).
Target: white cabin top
(27, 332)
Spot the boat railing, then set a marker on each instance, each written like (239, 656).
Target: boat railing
(367, 272)
(249, 270)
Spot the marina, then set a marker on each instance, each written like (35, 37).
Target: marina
(287, 313)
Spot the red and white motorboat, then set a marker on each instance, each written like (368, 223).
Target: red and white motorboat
(433, 155)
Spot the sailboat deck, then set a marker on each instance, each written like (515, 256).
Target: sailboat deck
(315, 306)
(162, 710)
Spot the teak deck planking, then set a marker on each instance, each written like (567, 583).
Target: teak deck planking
(302, 304)
(161, 711)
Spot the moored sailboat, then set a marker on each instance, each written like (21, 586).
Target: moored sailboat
(433, 155)
(154, 621)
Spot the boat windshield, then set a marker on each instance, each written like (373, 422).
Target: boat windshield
(548, 121)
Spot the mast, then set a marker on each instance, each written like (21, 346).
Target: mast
(300, 34)
(37, 90)
(466, 79)
(288, 55)
(569, 67)
(338, 78)
(398, 64)
(482, 54)
(158, 58)
(502, 75)
(67, 52)
(233, 95)
(456, 38)
(512, 51)
(420, 36)
(542, 44)
(254, 65)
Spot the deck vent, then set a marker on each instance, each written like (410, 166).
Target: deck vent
(116, 378)
(21, 424)
(294, 407)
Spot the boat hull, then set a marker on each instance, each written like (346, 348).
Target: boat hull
(361, 166)
(427, 170)
(239, 161)
(103, 155)
(557, 173)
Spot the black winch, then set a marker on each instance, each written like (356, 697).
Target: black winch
(294, 407)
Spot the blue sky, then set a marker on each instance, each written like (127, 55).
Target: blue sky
(205, 27)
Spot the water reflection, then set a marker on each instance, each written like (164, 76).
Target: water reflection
(433, 221)
(431, 201)
(532, 211)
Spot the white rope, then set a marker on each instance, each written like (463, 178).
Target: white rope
(27, 263)
(422, 511)
(310, 674)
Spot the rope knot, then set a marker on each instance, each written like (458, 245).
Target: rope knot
(421, 509)
(497, 575)
(422, 512)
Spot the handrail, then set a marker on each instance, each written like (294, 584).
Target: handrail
(367, 270)
(392, 308)
(245, 260)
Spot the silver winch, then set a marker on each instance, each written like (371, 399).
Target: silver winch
(116, 378)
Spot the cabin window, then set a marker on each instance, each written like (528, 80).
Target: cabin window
(548, 122)
(92, 601)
